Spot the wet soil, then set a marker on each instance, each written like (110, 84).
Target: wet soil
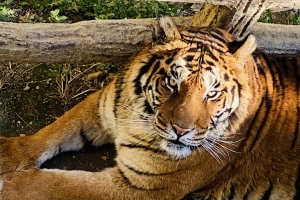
(34, 95)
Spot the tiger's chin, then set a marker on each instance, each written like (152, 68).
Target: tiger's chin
(176, 151)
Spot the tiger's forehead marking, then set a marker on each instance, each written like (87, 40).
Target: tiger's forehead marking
(206, 45)
(209, 37)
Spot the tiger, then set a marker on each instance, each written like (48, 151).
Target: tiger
(196, 114)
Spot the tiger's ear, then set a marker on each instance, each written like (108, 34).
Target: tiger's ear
(165, 30)
(242, 49)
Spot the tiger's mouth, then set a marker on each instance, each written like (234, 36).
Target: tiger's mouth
(177, 142)
(177, 149)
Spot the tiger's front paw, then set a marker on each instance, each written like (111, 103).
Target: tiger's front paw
(15, 155)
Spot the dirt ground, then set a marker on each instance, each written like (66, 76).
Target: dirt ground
(34, 95)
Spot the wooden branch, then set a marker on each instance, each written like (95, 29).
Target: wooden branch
(109, 40)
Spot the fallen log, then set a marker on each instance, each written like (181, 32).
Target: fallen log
(82, 42)
(109, 40)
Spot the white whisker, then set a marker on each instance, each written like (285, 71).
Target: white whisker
(222, 151)
(213, 139)
(208, 147)
(128, 109)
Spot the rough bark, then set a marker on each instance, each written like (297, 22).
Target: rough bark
(214, 16)
(117, 40)
(245, 12)
(82, 42)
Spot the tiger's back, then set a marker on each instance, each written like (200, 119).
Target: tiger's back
(197, 115)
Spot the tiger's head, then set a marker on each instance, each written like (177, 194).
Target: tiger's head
(196, 84)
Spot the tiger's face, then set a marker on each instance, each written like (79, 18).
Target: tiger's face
(197, 91)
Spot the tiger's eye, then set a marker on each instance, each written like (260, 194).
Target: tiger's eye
(172, 82)
(212, 95)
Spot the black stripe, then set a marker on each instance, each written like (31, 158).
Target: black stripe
(210, 63)
(216, 84)
(162, 72)
(209, 69)
(219, 36)
(296, 133)
(218, 32)
(147, 173)
(282, 72)
(211, 55)
(154, 70)
(169, 60)
(142, 139)
(232, 193)
(247, 194)
(147, 108)
(119, 89)
(226, 77)
(192, 50)
(260, 68)
(137, 81)
(192, 31)
(297, 185)
(174, 73)
(159, 115)
(296, 74)
(275, 70)
(239, 86)
(205, 39)
(285, 64)
(188, 58)
(134, 186)
(84, 139)
(160, 128)
(222, 113)
(141, 147)
(267, 193)
(265, 102)
(127, 180)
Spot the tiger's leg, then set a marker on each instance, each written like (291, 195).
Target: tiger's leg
(60, 184)
(67, 133)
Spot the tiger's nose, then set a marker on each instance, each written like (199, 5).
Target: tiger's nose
(180, 131)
